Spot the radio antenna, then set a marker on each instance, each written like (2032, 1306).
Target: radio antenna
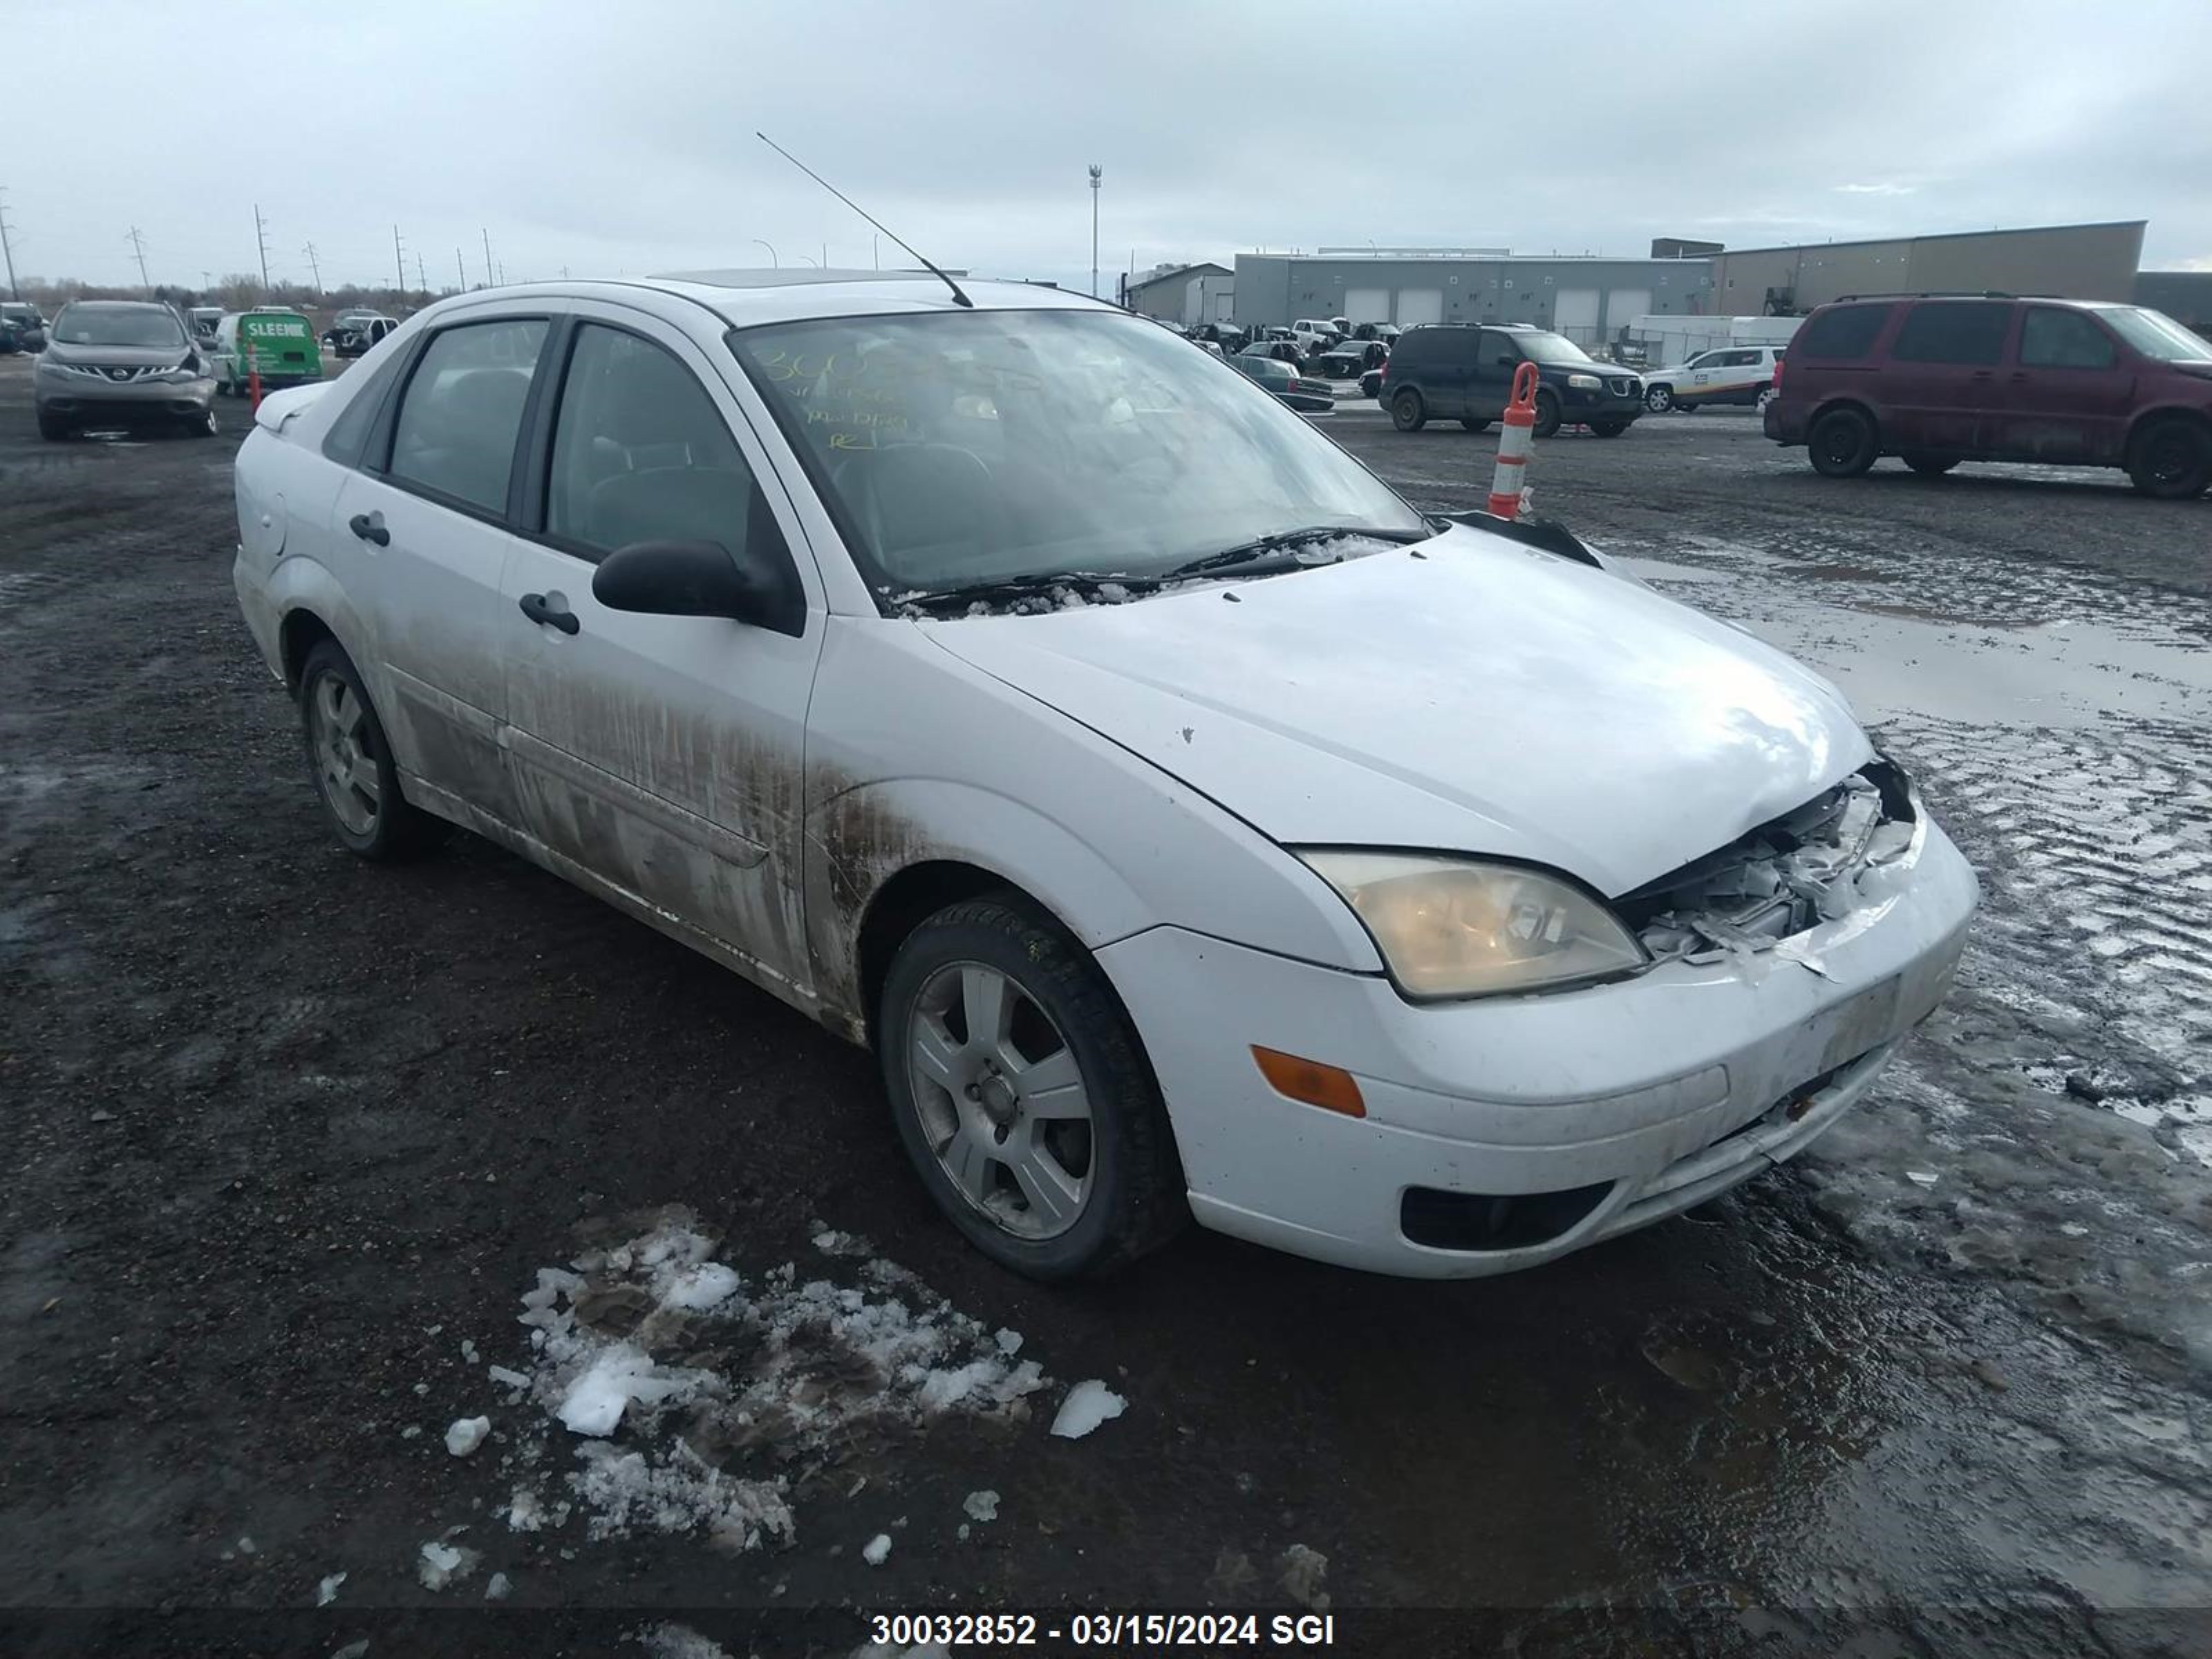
(957, 294)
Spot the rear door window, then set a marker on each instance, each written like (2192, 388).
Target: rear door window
(1843, 335)
(1953, 331)
(2051, 338)
(462, 411)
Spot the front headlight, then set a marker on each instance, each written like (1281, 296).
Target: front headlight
(1584, 382)
(1455, 927)
(190, 369)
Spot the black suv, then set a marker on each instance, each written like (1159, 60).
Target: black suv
(1464, 372)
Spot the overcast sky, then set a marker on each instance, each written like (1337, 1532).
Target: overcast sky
(617, 135)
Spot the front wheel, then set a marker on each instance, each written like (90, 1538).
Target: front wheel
(1547, 415)
(1930, 466)
(1608, 428)
(351, 763)
(1842, 444)
(201, 425)
(1659, 399)
(1020, 1093)
(2171, 459)
(1407, 413)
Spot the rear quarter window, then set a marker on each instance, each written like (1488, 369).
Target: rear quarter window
(1846, 333)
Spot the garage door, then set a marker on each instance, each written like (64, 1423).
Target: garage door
(1623, 305)
(1367, 305)
(1574, 314)
(1420, 305)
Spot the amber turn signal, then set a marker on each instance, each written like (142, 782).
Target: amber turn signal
(1329, 1087)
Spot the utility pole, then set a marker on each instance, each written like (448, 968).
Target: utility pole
(421, 280)
(261, 236)
(487, 236)
(460, 271)
(315, 267)
(7, 248)
(398, 262)
(1097, 173)
(139, 247)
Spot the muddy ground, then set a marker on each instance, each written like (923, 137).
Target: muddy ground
(285, 1132)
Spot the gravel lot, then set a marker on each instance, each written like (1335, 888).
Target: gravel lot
(292, 1138)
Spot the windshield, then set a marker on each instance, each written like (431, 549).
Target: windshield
(1541, 348)
(2156, 335)
(81, 325)
(969, 447)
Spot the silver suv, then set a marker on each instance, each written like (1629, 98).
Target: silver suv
(121, 362)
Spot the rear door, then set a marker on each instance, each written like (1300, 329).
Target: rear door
(662, 755)
(1490, 376)
(1940, 387)
(421, 528)
(2066, 389)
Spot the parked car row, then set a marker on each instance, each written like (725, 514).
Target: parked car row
(21, 327)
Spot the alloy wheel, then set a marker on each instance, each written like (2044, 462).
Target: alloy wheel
(345, 766)
(1001, 1101)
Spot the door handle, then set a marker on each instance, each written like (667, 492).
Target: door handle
(1981, 374)
(369, 527)
(535, 607)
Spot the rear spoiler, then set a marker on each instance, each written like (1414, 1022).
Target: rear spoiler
(279, 407)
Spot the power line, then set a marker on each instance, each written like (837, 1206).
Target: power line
(315, 267)
(261, 236)
(139, 247)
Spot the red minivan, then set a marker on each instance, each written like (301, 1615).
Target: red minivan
(1938, 380)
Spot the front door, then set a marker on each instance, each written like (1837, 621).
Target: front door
(661, 755)
(2066, 393)
(422, 529)
(1940, 388)
(1490, 376)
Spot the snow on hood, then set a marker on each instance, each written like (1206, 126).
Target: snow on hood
(1471, 695)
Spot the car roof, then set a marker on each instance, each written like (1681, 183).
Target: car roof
(122, 305)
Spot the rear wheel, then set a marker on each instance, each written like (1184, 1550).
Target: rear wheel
(1659, 399)
(1930, 466)
(1766, 395)
(1547, 414)
(1021, 1094)
(1473, 425)
(1608, 428)
(1842, 444)
(351, 763)
(1407, 412)
(2171, 459)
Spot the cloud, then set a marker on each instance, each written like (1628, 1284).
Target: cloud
(1878, 190)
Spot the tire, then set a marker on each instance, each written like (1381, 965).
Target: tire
(53, 428)
(1659, 399)
(1767, 395)
(202, 426)
(1608, 428)
(1547, 415)
(2170, 459)
(1407, 412)
(383, 828)
(1842, 443)
(1473, 425)
(1128, 1197)
(1930, 466)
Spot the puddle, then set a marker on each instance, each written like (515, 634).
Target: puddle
(1894, 660)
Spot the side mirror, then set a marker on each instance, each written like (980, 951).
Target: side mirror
(1505, 360)
(703, 579)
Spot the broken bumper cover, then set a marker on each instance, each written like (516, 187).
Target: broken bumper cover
(1603, 1108)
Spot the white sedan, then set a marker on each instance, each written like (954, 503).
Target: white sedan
(1191, 826)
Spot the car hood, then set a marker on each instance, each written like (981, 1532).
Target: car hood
(93, 356)
(1485, 697)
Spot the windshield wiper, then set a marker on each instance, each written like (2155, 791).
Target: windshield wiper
(1003, 590)
(1257, 552)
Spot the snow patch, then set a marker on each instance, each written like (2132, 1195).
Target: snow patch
(982, 1505)
(877, 1549)
(327, 1591)
(438, 1565)
(670, 1640)
(704, 1398)
(465, 1434)
(1088, 1404)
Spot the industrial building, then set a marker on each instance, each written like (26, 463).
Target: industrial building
(1181, 294)
(2079, 262)
(1588, 299)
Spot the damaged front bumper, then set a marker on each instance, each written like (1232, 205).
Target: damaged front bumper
(1503, 1133)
